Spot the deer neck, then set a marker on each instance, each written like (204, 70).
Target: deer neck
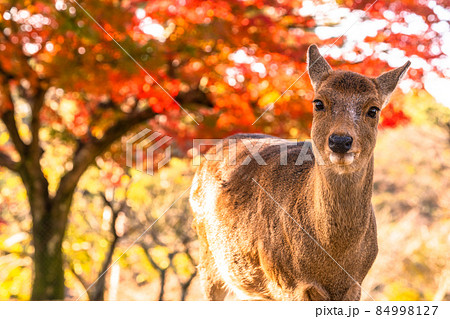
(342, 202)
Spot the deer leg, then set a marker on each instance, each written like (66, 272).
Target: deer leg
(314, 292)
(353, 293)
(211, 282)
(213, 286)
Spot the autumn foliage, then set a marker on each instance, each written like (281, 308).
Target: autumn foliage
(236, 57)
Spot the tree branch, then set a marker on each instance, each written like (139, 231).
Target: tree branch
(112, 229)
(23, 253)
(8, 118)
(184, 285)
(29, 167)
(98, 291)
(162, 271)
(35, 124)
(80, 278)
(7, 162)
(24, 61)
(10, 123)
(87, 152)
(36, 100)
(145, 248)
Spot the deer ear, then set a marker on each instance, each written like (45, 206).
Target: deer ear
(317, 65)
(387, 82)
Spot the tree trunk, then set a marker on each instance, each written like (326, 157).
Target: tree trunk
(162, 284)
(49, 221)
(49, 224)
(98, 290)
(48, 281)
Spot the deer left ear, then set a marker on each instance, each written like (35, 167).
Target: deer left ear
(388, 81)
(317, 65)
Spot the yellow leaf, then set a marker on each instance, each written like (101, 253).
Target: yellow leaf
(268, 98)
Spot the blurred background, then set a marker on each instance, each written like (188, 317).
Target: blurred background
(71, 96)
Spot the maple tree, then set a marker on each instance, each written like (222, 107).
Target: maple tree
(67, 85)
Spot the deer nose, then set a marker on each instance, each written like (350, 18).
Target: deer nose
(340, 144)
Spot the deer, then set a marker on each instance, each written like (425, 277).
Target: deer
(271, 227)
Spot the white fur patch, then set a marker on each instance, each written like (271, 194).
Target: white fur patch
(342, 159)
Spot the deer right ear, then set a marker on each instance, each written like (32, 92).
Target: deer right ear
(388, 81)
(318, 67)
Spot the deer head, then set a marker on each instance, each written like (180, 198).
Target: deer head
(347, 107)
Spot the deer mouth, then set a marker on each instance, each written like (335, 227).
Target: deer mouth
(342, 159)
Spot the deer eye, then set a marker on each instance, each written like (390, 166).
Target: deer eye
(318, 105)
(373, 112)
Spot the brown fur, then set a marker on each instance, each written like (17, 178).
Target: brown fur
(259, 247)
